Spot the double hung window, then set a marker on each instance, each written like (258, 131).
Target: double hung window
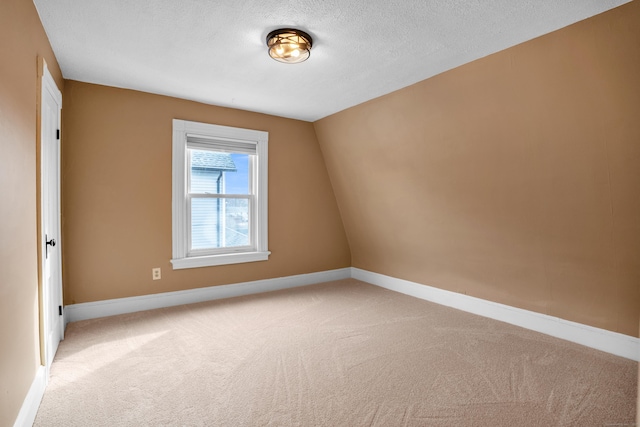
(219, 195)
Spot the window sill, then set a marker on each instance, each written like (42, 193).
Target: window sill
(211, 260)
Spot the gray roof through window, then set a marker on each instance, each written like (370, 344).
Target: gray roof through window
(212, 160)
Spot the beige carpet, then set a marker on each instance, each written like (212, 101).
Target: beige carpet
(343, 353)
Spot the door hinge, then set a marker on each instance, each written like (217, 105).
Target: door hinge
(58, 134)
(59, 310)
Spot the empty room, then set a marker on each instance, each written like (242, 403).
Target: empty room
(244, 213)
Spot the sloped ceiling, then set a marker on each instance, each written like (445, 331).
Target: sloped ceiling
(215, 52)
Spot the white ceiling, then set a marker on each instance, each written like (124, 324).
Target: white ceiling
(214, 51)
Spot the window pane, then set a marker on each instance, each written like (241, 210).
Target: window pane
(214, 172)
(219, 223)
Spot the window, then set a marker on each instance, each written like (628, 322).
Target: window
(219, 195)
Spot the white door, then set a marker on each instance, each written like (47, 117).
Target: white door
(51, 254)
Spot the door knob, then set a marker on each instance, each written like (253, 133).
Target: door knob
(48, 243)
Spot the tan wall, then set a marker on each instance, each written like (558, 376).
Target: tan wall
(117, 196)
(22, 40)
(515, 178)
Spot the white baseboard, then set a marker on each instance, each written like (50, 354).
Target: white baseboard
(31, 403)
(600, 339)
(92, 310)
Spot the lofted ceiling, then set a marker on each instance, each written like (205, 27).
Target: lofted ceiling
(214, 51)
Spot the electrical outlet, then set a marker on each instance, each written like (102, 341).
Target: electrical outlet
(156, 273)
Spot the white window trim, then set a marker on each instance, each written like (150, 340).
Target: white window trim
(180, 248)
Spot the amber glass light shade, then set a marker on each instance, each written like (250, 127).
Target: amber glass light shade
(289, 46)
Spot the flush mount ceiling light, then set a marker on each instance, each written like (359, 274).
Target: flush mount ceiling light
(289, 45)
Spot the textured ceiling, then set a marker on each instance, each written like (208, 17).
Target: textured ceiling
(214, 51)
